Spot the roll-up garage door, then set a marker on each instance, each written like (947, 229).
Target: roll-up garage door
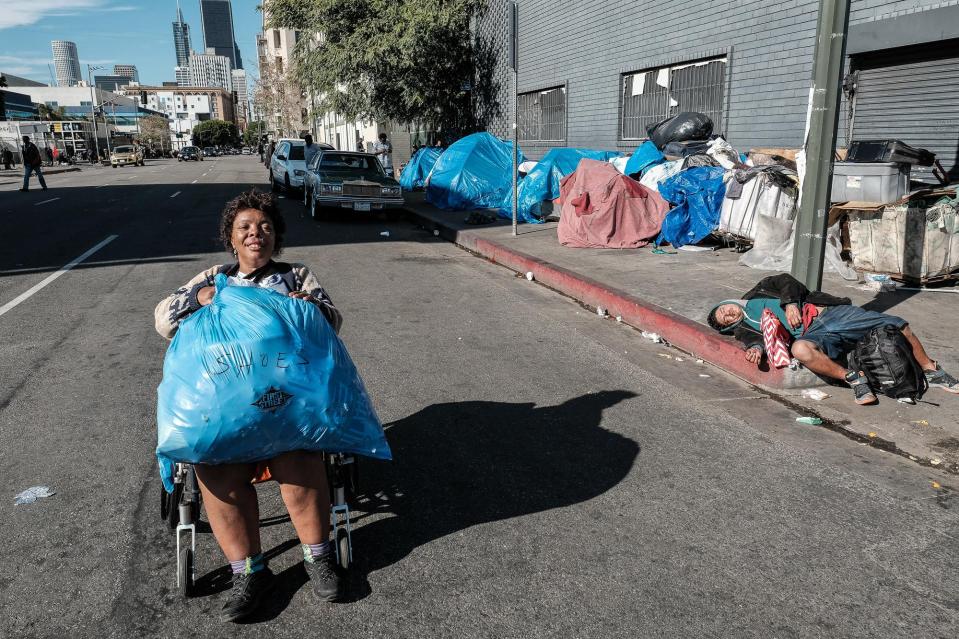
(911, 94)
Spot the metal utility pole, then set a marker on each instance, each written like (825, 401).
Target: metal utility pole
(809, 242)
(513, 55)
(93, 113)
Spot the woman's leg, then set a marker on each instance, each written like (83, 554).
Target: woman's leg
(303, 486)
(230, 502)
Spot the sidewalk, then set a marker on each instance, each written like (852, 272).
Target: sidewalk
(16, 175)
(671, 294)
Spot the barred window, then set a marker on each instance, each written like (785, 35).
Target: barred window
(653, 95)
(541, 115)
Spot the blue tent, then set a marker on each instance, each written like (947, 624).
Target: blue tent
(646, 155)
(415, 172)
(698, 198)
(542, 183)
(473, 173)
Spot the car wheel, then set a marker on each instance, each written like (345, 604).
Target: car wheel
(314, 209)
(306, 197)
(286, 184)
(273, 186)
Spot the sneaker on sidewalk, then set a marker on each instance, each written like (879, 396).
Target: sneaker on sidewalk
(325, 577)
(860, 386)
(247, 594)
(941, 379)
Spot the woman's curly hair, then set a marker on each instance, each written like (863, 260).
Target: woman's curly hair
(252, 199)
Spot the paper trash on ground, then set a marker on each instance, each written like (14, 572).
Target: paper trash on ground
(32, 494)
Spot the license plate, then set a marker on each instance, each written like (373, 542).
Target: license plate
(361, 206)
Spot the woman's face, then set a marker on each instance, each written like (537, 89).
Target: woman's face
(253, 237)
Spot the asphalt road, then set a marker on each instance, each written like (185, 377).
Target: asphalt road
(554, 475)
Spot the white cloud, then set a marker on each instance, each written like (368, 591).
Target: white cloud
(26, 12)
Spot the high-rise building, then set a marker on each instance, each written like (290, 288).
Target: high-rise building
(184, 77)
(181, 39)
(110, 82)
(67, 63)
(216, 20)
(127, 71)
(242, 96)
(210, 70)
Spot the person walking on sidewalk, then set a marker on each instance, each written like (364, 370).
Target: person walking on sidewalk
(7, 159)
(823, 327)
(31, 164)
(383, 150)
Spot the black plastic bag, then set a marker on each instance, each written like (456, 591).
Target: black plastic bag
(680, 128)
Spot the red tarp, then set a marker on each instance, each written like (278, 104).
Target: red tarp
(602, 208)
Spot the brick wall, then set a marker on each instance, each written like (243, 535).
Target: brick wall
(589, 44)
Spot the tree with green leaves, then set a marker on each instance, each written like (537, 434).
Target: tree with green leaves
(251, 137)
(214, 133)
(409, 61)
(155, 131)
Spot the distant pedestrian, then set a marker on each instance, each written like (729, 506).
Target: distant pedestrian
(360, 146)
(383, 150)
(310, 150)
(49, 153)
(31, 164)
(259, 149)
(269, 153)
(7, 159)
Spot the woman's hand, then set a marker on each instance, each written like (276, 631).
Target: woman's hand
(793, 315)
(205, 295)
(303, 295)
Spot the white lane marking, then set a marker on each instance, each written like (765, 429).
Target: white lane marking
(50, 278)
(53, 199)
(175, 194)
(193, 182)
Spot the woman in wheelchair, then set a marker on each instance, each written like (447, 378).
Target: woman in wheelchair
(251, 228)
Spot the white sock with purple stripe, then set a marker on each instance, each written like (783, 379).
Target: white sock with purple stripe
(312, 552)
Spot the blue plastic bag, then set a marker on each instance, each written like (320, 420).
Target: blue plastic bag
(698, 195)
(255, 374)
(646, 155)
(415, 172)
(542, 183)
(475, 172)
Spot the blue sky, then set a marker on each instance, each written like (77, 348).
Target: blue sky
(110, 32)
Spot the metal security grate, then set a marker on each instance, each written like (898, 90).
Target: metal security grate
(541, 115)
(653, 95)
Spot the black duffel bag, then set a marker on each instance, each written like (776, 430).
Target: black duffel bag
(885, 356)
(684, 126)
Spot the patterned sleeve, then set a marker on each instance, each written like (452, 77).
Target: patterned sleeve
(178, 306)
(311, 285)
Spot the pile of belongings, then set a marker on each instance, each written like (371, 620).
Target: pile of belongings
(255, 374)
(602, 208)
(542, 182)
(418, 168)
(475, 172)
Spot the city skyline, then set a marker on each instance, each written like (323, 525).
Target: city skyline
(108, 33)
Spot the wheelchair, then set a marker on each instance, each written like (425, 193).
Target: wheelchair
(180, 510)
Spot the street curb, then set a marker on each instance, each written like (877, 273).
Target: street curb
(681, 332)
(19, 174)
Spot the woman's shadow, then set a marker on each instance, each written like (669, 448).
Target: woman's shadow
(460, 464)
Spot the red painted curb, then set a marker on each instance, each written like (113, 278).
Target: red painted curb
(692, 337)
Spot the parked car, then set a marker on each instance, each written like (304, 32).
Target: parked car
(348, 180)
(126, 154)
(209, 151)
(288, 165)
(246, 150)
(190, 153)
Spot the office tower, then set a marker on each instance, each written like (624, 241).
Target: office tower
(127, 71)
(181, 39)
(67, 63)
(184, 77)
(216, 21)
(210, 70)
(240, 88)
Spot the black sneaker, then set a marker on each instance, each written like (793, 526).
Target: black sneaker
(325, 576)
(247, 594)
(860, 386)
(941, 379)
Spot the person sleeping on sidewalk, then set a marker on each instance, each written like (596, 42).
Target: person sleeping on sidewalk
(823, 328)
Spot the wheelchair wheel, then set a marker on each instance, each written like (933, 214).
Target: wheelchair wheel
(173, 514)
(164, 503)
(184, 572)
(343, 545)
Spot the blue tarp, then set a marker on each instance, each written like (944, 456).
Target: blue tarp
(415, 172)
(542, 183)
(475, 172)
(646, 155)
(698, 198)
(255, 374)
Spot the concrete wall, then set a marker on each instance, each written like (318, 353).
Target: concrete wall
(588, 45)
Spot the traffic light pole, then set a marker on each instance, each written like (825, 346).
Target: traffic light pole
(809, 240)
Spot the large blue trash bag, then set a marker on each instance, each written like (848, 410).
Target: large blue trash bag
(542, 182)
(645, 156)
(698, 198)
(475, 172)
(415, 172)
(255, 374)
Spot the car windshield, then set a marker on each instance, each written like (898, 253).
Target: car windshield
(296, 153)
(123, 149)
(349, 162)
